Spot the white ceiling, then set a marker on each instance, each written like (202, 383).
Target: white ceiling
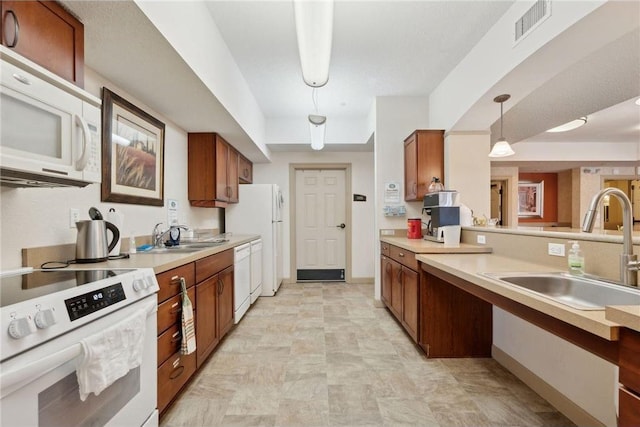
(380, 48)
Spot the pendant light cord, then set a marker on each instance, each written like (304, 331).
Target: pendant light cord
(314, 99)
(501, 136)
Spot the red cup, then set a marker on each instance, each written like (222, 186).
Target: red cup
(414, 228)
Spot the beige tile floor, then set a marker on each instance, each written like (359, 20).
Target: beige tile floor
(321, 354)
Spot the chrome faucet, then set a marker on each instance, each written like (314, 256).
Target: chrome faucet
(157, 234)
(629, 264)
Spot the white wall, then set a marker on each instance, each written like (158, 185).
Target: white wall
(467, 165)
(396, 118)
(362, 178)
(587, 380)
(33, 217)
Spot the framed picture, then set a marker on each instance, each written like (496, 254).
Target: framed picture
(530, 198)
(132, 153)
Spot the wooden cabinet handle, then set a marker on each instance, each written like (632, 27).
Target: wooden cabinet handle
(177, 372)
(16, 27)
(220, 286)
(415, 188)
(400, 275)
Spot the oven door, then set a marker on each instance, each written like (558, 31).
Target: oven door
(40, 387)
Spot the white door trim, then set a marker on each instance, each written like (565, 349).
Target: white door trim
(292, 211)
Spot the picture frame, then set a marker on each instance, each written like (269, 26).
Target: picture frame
(132, 153)
(530, 199)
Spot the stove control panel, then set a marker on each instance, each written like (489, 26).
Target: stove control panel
(83, 305)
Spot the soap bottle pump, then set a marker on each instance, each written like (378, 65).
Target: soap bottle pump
(575, 259)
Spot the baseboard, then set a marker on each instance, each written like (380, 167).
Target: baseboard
(563, 404)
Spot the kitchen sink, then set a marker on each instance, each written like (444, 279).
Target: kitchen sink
(185, 247)
(582, 293)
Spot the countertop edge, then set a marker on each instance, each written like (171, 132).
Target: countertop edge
(421, 246)
(625, 315)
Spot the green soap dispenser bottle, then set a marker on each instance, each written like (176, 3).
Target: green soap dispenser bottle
(575, 259)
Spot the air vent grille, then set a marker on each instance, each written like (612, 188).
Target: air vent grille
(536, 14)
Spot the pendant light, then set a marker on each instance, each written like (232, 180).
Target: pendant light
(317, 129)
(314, 31)
(502, 147)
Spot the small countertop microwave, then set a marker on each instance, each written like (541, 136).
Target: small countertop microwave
(49, 129)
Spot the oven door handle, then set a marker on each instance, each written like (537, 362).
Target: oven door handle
(15, 379)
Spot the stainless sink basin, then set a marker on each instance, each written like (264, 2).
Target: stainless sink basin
(578, 292)
(185, 248)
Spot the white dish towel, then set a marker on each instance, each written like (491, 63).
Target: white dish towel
(112, 353)
(188, 330)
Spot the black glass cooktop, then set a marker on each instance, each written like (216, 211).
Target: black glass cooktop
(22, 287)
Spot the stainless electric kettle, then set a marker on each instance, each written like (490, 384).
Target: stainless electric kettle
(91, 244)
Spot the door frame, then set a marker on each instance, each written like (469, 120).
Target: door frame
(293, 167)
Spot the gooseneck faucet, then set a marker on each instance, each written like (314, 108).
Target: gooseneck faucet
(628, 261)
(157, 234)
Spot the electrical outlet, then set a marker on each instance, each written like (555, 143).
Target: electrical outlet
(482, 239)
(556, 249)
(74, 216)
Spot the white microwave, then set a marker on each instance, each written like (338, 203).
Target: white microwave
(49, 130)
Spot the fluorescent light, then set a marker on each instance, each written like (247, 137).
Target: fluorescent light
(317, 128)
(638, 101)
(314, 30)
(574, 124)
(501, 149)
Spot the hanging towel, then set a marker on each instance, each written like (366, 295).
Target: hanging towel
(188, 331)
(112, 353)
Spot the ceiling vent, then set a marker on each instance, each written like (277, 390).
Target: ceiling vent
(540, 11)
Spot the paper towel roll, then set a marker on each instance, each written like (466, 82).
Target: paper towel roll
(116, 218)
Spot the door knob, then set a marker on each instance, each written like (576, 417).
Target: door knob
(341, 225)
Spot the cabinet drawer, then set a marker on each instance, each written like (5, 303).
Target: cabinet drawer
(169, 343)
(384, 249)
(629, 408)
(169, 281)
(173, 375)
(207, 267)
(404, 257)
(169, 312)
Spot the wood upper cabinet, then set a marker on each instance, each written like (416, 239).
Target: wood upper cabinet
(423, 159)
(45, 33)
(245, 170)
(213, 171)
(629, 393)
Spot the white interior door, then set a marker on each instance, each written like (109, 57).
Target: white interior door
(320, 225)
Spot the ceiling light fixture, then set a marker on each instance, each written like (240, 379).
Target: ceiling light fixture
(317, 124)
(638, 101)
(573, 124)
(502, 147)
(317, 128)
(314, 30)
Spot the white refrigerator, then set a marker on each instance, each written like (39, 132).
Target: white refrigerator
(260, 212)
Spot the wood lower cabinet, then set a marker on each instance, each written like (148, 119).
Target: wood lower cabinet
(400, 286)
(629, 392)
(214, 293)
(453, 323)
(213, 171)
(423, 159)
(45, 33)
(174, 369)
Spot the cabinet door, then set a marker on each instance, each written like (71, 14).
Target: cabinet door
(222, 154)
(225, 301)
(386, 278)
(173, 374)
(410, 302)
(232, 175)
(411, 168)
(430, 159)
(45, 33)
(628, 408)
(396, 289)
(245, 170)
(206, 318)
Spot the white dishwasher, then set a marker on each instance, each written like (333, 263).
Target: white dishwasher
(256, 269)
(241, 280)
